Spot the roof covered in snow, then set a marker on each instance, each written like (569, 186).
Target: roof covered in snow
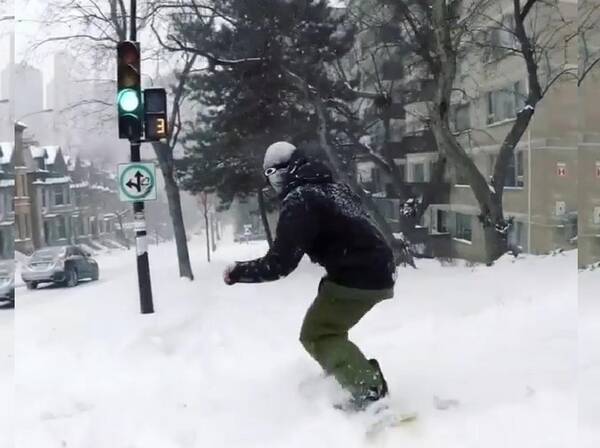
(37, 152)
(6, 152)
(52, 152)
(47, 152)
(53, 180)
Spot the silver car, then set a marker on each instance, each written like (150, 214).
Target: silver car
(64, 265)
(7, 281)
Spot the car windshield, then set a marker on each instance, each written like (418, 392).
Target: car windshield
(48, 254)
(7, 268)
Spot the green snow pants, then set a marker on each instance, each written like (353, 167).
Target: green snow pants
(324, 335)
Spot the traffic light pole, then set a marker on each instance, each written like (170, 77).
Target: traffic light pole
(141, 241)
(141, 244)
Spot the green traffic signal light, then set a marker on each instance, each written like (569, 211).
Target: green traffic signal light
(128, 100)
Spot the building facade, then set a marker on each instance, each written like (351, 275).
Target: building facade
(540, 194)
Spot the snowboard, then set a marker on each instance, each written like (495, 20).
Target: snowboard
(388, 420)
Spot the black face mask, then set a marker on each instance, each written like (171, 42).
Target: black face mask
(276, 176)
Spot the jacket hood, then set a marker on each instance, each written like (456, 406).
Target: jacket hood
(304, 171)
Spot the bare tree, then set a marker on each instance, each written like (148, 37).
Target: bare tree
(588, 34)
(99, 26)
(442, 32)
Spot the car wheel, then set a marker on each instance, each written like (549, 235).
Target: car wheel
(31, 285)
(72, 278)
(95, 275)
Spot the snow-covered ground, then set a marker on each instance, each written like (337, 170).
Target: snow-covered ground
(220, 366)
(589, 359)
(6, 378)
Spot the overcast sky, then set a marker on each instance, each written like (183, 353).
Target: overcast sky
(29, 29)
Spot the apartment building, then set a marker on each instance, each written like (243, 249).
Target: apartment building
(491, 87)
(541, 188)
(589, 142)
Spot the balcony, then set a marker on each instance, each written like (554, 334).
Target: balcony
(389, 33)
(440, 191)
(392, 69)
(420, 90)
(413, 144)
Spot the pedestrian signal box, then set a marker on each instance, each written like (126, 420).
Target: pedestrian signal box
(155, 114)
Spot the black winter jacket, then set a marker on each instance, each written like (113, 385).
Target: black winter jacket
(324, 220)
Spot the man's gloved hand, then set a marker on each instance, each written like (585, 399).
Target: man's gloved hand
(227, 274)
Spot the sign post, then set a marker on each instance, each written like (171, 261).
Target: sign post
(137, 181)
(132, 184)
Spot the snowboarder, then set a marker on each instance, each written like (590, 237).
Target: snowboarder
(325, 220)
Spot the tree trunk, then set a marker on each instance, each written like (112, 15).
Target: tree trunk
(164, 156)
(206, 225)
(212, 232)
(263, 216)
(122, 230)
(443, 68)
(217, 228)
(174, 202)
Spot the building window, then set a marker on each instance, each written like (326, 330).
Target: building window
(47, 232)
(464, 229)
(514, 171)
(504, 104)
(418, 172)
(518, 235)
(460, 176)
(59, 195)
(44, 200)
(375, 178)
(41, 163)
(61, 227)
(462, 117)
(27, 227)
(442, 221)
(502, 38)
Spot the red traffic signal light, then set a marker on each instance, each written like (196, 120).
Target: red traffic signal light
(128, 60)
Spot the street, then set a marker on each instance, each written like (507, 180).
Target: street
(6, 377)
(222, 366)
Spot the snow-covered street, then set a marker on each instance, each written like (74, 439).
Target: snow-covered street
(220, 366)
(589, 359)
(6, 378)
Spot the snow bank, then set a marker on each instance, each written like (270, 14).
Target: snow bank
(589, 359)
(220, 366)
(6, 378)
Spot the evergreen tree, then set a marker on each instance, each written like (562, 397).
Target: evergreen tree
(248, 99)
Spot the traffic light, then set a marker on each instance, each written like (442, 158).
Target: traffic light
(129, 100)
(155, 114)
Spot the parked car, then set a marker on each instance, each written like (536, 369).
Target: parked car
(7, 281)
(64, 265)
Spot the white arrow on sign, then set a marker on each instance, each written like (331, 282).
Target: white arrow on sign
(137, 182)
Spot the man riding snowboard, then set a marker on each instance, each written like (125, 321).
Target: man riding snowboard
(325, 220)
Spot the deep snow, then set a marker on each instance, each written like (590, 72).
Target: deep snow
(220, 366)
(589, 359)
(6, 378)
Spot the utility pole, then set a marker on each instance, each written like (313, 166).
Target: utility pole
(141, 242)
